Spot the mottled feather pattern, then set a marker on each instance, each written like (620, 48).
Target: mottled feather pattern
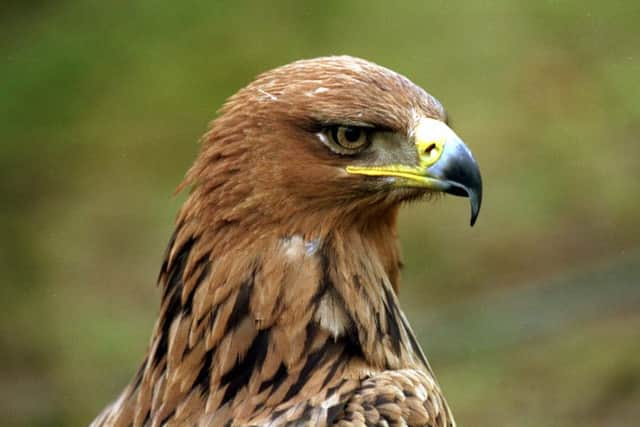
(279, 308)
(395, 398)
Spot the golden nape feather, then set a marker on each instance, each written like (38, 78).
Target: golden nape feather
(279, 285)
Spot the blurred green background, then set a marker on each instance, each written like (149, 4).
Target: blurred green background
(532, 318)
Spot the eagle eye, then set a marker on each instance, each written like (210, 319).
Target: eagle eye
(348, 139)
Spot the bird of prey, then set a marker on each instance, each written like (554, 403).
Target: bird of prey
(279, 285)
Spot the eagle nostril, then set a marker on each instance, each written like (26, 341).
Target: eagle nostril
(431, 151)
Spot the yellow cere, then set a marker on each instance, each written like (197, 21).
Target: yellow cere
(430, 136)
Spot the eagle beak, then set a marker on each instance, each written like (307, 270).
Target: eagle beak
(445, 164)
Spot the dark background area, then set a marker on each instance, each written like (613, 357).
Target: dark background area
(531, 318)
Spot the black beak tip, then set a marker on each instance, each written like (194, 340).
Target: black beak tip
(472, 189)
(459, 175)
(474, 192)
(475, 202)
(472, 184)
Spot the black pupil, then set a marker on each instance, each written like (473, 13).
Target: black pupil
(352, 134)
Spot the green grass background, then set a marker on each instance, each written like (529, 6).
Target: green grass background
(532, 318)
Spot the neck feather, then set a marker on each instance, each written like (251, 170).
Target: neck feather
(280, 312)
